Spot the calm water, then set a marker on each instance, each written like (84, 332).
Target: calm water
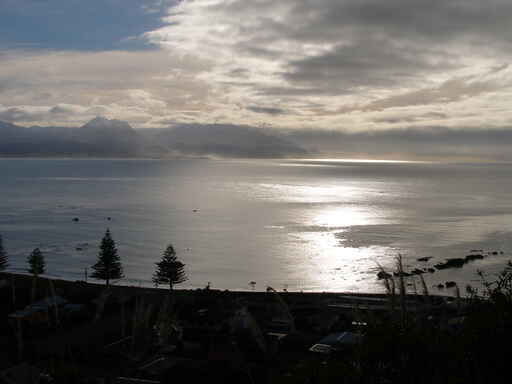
(304, 225)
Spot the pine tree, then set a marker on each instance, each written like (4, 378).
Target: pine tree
(4, 262)
(108, 266)
(36, 262)
(170, 270)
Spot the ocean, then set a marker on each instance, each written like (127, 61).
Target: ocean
(300, 225)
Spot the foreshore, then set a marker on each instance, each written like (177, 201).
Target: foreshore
(64, 286)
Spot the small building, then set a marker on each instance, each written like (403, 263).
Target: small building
(38, 312)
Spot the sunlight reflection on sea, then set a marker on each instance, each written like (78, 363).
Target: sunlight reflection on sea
(321, 228)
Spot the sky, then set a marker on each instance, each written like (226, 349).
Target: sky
(350, 66)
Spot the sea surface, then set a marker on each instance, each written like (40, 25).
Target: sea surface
(305, 225)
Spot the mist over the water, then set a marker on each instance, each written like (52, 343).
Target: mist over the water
(304, 225)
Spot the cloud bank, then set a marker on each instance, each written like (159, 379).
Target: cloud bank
(352, 66)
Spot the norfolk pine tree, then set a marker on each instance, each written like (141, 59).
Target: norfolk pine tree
(108, 266)
(36, 262)
(4, 262)
(169, 270)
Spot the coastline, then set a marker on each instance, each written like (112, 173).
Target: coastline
(24, 281)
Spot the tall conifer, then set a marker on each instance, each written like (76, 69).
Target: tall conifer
(36, 262)
(4, 261)
(169, 270)
(108, 267)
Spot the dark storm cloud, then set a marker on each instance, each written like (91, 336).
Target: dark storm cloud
(435, 20)
(58, 109)
(239, 72)
(267, 110)
(369, 62)
(371, 43)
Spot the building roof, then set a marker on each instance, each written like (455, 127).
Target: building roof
(49, 302)
(335, 341)
(38, 306)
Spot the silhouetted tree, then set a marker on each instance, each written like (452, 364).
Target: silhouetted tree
(170, 270)
(36, 262)
(4, 262)
(108, 266)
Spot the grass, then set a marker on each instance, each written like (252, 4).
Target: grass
(467, 343)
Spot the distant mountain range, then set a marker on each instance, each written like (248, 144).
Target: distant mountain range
(102, 137)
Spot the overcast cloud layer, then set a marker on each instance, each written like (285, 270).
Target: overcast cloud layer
(350, 66)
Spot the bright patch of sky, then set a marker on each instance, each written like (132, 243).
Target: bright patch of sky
(79, 25)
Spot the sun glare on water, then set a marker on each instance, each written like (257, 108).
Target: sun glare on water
(331, 264)
(338, 160)
(336, 217)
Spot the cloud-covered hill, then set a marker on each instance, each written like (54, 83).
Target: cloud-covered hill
(225, 140)
(115, 138)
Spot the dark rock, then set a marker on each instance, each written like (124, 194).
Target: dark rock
(417, 271)
(431, 270)
(476, 256)
(76, 219)
(109, 218)
(451, 263)
(78, 248)
(456, 262)
(440, 286)
(424, 258)
(495, 253)
(450, 284)
(403, 274)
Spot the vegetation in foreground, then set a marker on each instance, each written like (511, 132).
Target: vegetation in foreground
(256, 337)
(467, 343)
